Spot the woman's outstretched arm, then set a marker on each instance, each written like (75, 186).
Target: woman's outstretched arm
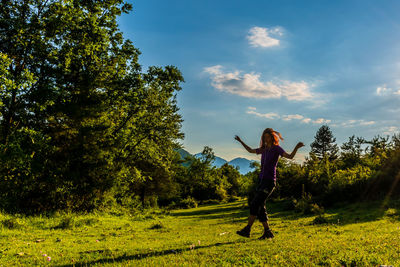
(250, 150)
(291, 155)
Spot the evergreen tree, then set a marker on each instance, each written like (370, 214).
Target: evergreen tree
(324, 144)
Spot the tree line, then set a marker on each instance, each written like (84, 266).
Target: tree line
(360, 170)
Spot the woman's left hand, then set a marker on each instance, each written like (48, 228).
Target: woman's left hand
(300, 144)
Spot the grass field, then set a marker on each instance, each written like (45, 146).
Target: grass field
(360, 234)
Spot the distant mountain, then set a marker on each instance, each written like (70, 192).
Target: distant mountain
(218, 162)
(243, 164)
(183, 153)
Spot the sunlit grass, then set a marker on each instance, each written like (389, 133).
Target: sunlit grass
(361, 234)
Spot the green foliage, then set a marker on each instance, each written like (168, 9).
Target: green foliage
(202, 181)
(304, 205)
(290, 179)
(211, 202)
(386, 181)
(156, 226)
(249, 182)
(234, 199)
(188, 203)
(78, 116)
(344, 183)
(66, 222)
(320, 219)
(232, 177)
(352, 151)
(12, 223)
(324, 144)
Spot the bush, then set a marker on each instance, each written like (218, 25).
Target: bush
(188, 203)
(211, 201)
(66, 223)
(156, 226)
(234, 199)
(317, 210)
(12, 223)
(320, 212)
(320, 219)
(304, 204)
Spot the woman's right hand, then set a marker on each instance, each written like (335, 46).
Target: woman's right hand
(237, 138)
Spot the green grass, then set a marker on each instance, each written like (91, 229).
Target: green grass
(360, 234)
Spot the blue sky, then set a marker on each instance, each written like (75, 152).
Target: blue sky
(289, 65)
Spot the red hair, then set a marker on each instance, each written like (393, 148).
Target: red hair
(274, 134)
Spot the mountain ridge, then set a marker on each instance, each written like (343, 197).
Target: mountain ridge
(243, 164)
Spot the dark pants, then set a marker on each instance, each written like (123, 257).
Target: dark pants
(257, 206)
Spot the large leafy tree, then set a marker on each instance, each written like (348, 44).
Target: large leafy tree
(324, 144)
(76, 107)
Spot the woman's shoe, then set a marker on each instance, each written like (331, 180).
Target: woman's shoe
(267, 235)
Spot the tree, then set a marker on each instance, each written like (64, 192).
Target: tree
(232, 176)
(352, 151)
(77, 108)
(324, 144)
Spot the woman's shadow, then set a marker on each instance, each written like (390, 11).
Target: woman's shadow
(149, 254)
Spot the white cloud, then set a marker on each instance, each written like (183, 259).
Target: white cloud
(249, 85)
(261, 37)
(272, 116)
(381, 90)
(367, 122)
(354, 123)
(384, 90)
(321, 121)
(292, 117)
(390, 130)
(303, 119)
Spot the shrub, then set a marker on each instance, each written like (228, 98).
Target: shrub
(12, 223)
(317, 210)
(320, 219)
(88, 222)
(158, 225)
(66, 223)
(211, 201)
(234, 199)
(188, 203)
(304, 204)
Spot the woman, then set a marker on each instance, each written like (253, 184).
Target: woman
(270, 152)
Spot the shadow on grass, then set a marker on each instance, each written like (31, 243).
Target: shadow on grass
(238, 211)
(139, 256)
(361, 212)
(349, 213)
(341, 213)
(212, 209)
